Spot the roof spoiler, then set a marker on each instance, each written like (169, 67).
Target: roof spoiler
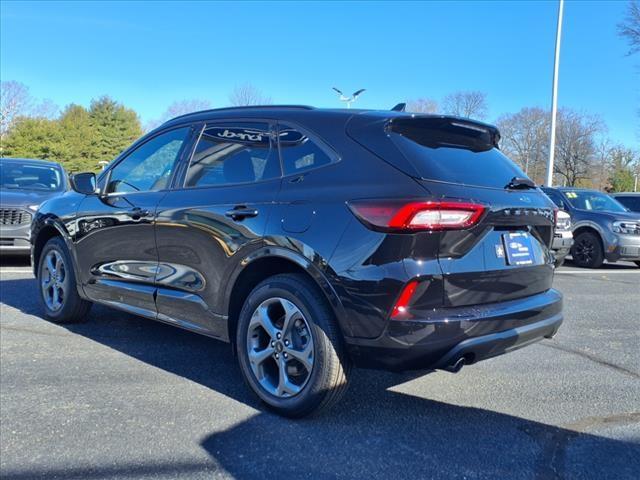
(400, 107)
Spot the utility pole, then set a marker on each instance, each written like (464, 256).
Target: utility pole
(554, 97)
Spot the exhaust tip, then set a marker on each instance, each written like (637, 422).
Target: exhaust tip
(456, 366)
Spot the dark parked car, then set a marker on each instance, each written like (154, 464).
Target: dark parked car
(630, 200)
(602, 227)
(311, 240)
(24, 185)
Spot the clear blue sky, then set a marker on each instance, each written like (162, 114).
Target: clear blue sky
(149, 54)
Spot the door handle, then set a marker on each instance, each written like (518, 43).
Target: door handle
(137, 213)
(241, 212)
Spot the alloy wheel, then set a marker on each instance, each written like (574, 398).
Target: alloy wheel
(584, 250)
(53, 280)
(280, 347)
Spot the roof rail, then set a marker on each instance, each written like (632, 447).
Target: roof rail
(244, 107)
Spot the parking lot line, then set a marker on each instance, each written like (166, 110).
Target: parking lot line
(594, 272)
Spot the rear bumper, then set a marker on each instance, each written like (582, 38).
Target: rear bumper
(445, 335)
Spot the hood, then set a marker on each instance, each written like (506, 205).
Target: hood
(611, 216)
(24, 198)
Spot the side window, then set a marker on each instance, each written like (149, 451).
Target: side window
(149, 166)
(233, 153)
(299, 153)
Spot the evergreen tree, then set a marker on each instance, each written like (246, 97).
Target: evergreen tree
(114, 128)
(35, 138)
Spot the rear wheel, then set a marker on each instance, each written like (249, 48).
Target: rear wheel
(290, 350)
(57, 285)
(587, 250)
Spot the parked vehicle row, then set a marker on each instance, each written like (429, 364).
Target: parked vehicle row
(315, 240)
(603, 229)
(24, 185)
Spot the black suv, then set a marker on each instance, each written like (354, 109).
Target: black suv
(312, 240)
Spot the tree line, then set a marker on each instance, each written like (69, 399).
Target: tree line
(85, 138)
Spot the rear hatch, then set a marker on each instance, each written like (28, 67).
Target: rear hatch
(505, 255)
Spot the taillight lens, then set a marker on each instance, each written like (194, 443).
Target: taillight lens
(400, 309)
(393, 215)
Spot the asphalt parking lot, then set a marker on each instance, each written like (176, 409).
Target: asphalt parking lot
(124, 397)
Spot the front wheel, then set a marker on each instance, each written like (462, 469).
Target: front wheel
(289, 347)
(57, 284)
(587, 250)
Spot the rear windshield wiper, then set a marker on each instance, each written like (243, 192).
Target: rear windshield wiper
(519, 183)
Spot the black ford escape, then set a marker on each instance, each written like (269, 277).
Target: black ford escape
(311, 240)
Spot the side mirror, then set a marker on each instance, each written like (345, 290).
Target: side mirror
(84, 183)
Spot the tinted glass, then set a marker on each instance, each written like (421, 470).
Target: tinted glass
(556, 198)
(299, 153)
(233, 153)
(595, 201)
(632, 203)
(149, 167)
(454, 153)
(21, 176)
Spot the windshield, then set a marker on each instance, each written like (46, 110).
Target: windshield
(23, 176)
(595, 201)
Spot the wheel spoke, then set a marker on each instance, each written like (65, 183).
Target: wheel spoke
(261, 317)
(55, 300)
(304, 356)
(291, 313)
(257, 357)
(285, 387)
(49, 263)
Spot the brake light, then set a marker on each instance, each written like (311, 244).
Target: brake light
(393, 215)
(400, 308)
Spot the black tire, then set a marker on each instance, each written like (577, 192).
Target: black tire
(73, 308)
(328, 377)
(587, 250)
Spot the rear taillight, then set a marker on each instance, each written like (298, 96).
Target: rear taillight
(394, 215)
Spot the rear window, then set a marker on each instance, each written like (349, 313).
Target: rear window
(449, 150)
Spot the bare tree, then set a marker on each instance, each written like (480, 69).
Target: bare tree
(247, 94)
(177, 108)
(630, 27)
(472, 104)
(422, 105)
(525, 139)
(576, 145)
(15, 101)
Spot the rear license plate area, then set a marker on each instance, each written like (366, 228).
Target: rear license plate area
(518, 248)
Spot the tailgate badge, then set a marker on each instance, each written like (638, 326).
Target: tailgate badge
(499, 250)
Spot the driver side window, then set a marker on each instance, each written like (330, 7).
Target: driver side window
(148, 167)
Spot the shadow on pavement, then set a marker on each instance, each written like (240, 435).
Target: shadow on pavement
(372, 433)
(15, 261)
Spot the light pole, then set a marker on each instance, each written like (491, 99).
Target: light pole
(554, 97)
(348, 100)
